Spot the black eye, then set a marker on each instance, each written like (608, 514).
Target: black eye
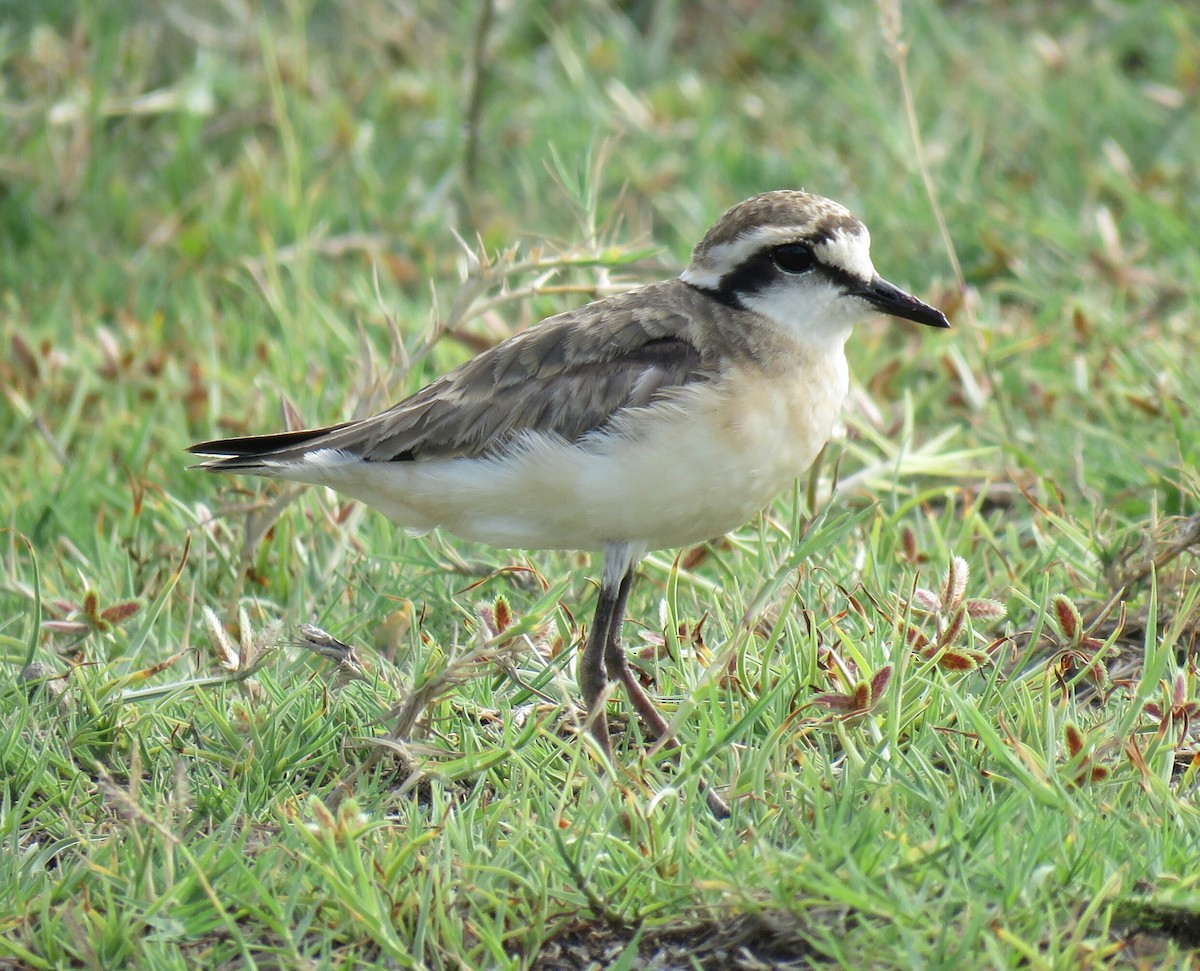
(793, 257)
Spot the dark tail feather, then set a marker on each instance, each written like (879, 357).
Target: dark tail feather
(248, 454)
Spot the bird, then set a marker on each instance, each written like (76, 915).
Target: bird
(657, 418)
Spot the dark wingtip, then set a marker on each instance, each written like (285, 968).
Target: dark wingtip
(204, 448)
(258, 446)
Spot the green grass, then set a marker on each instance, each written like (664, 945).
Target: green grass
(207, 211)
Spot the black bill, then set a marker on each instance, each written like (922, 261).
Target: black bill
(894, 302)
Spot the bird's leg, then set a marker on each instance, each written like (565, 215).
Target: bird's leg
(619, 562)
(618, 667)
(604, 659)
(593, 679)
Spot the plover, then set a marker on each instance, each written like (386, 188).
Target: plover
(657, 418)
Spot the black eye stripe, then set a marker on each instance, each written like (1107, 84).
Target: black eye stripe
(761, 271)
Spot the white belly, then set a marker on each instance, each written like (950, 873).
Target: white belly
(680, 473)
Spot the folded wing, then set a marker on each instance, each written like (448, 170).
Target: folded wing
(569, 376)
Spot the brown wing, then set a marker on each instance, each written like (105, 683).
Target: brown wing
(569, 375)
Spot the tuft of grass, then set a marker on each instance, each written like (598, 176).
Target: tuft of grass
(948, 684)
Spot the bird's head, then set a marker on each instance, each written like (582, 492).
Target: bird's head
(802, 261)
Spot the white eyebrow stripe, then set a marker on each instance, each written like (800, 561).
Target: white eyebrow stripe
(707, 272)
(847, 251)
(737, 251)
(703, 280)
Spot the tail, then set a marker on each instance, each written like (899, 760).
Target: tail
(260, 454)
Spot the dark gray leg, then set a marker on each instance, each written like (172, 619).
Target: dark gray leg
(618, 667)
(593, 679)
(604, 660)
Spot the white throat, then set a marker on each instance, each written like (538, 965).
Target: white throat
(818, 316)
